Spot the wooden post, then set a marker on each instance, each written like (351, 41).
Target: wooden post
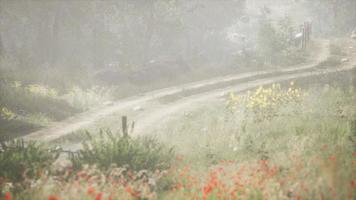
(306, 30)
(132, 127)
(124, 126)
(303, 38)
(308, 33)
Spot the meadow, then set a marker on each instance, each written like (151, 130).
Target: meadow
(274, 142)
(174, 100)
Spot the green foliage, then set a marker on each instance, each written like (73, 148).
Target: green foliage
(87, 98)
(338, 17)
(20, 160)
(24, 108)
(138, 153)
(320, 118)
(276, 43)
(6, 114)
(29, 99)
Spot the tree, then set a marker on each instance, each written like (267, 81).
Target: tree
(332, 16)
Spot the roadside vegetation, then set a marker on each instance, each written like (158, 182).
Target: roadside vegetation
(29, 107)
(66, 65)
(275, 142)
(28, 102)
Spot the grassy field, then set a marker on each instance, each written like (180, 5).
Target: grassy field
(28, 107)
(305, 150)
(270, 143)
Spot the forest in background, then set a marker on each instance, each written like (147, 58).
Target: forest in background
(177, 99)
(61, 43)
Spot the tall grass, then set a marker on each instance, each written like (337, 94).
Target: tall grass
(29, 99)
(24, 108)
(108, 148)
(27, 107)
(87, 98)
(304, 151)
(20, 162)
(312, 141)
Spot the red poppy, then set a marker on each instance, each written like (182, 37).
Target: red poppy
(53, 198)
(8, 196)
(353, 185)
(332, 158)
(207, 189)
(90, 191)
(179, 186)
(179, 158)
(128, 189)
(99, 196)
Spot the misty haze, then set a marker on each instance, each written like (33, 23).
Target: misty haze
(177, 99)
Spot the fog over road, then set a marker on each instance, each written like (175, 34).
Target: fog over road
(184, 97)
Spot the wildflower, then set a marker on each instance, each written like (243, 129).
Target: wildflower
(53, 198)
(90, 191)
(99, 196)
(179, 186)
(179, 158)
(7, 196)
(207, 189)
(332, 158)
(186, 168)
(353, 185)
(82, 175)
(128, 189)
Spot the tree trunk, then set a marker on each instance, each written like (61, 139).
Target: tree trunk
(148, 35)
(1, 47)
(2, 50)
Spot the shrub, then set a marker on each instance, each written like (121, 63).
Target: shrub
(25, 108)
(29, 99)
(20, 160)
(137, 153)
(87, 98)
(276, 43)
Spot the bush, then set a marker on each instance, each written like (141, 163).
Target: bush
(87, 98)
(276, 43)
(20, 160)
(29, 99)
(138, 154)
(25, 108)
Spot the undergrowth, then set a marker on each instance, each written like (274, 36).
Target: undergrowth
(305, 150)
(109, 148)
(21, 162)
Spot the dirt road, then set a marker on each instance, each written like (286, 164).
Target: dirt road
(160, 104)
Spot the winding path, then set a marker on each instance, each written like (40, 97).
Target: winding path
(172, 100)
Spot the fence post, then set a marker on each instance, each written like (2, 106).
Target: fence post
(304, 38)
(306, 31)
(124, 126)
